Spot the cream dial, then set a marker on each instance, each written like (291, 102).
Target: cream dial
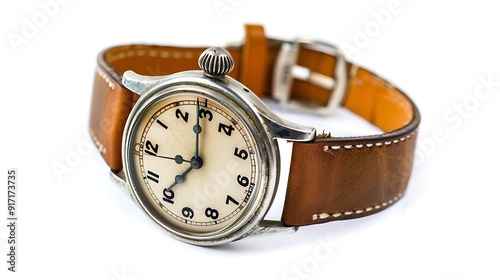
(195, 163)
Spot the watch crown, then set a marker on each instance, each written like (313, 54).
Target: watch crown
(216, 62)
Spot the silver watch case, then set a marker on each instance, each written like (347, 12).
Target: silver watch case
(263, 124)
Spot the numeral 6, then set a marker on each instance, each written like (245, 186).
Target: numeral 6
(242, 180)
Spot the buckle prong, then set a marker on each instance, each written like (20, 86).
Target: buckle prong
(286, 70)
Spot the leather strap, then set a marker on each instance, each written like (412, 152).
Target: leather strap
(331, 178)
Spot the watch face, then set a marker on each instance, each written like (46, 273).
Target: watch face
(194, 164)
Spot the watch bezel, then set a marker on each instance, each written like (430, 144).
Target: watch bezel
(235, 96)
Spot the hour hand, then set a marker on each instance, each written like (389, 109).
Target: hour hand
(179, 179)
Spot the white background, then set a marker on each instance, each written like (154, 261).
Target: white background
(78, 225)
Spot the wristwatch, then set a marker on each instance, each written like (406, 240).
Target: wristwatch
(197, 150)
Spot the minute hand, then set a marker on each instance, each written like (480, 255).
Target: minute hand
(197, 130)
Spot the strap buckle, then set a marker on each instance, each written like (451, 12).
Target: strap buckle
(286, 70)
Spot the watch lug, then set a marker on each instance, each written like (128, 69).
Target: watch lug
(278, 127)
(265, 228)
(283, 129)
(139, 83)
(121, 182)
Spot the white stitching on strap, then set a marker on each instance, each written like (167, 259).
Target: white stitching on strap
(149, 53)
(98, 143)
(323, 216)
(369, 145)
(153, 53)
(105, 78)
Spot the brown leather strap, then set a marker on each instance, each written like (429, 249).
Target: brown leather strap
(330, 178)
(112, 102)
(336, 178)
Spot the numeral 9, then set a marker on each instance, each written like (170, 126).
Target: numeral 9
(187, 212)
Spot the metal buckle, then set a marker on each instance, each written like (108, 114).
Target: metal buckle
(286, 69)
